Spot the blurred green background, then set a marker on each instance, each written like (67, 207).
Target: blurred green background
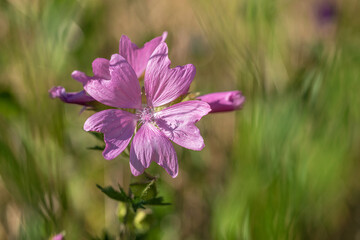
(285, 167)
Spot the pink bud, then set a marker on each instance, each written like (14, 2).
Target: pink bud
(223, 101)
(58, 237)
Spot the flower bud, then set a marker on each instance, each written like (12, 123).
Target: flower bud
(223, 101)
(80, 98)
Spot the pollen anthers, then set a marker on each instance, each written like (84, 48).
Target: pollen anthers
(145, 115)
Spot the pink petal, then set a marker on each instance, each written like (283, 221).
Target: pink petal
(163, 84)
(58, 237)
(150, 144)
(80, 76)
(100, 68)
(138, 57)
(224, 101)
(117, 126)
(177, 122)
(122, 91)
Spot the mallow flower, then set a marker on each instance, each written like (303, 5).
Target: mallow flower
(150, 125)
(135, 56)
(223, 101)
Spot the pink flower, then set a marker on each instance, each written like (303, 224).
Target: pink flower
(223, 101)
(135, 56)
(116, 84)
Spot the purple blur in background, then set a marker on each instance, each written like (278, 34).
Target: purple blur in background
(326, 12)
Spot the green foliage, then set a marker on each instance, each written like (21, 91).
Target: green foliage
(141, 194)
(284, 167)
(114, 194)
(99, 136)
(98, 148)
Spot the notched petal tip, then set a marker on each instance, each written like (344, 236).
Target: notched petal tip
(138, 57)
(162, 48)
(160, 54)
(164, 84)
(121, 90)
(124, 38)
(100, 68)
(116, 59)
(164, 36)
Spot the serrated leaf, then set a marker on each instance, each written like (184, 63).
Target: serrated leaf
(113, 194)
(145, 195)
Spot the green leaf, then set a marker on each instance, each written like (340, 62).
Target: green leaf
(140, 203)
(142, 194)
(113, 194)
(156, 201)
(137, 203)
(98, 135)
(97, 148)
(144, 190)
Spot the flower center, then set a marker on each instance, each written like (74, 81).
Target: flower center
(145, 115)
